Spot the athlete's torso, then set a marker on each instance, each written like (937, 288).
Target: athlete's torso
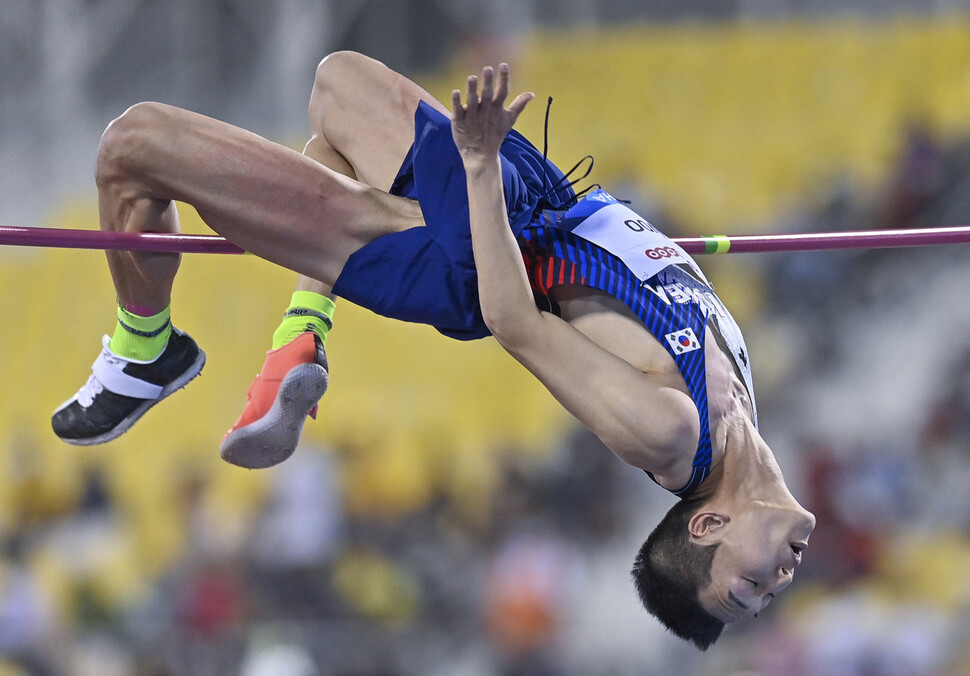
(610, 324)
(648, 303)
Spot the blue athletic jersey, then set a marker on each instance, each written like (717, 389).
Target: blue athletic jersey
(671, 296)
(427, 274)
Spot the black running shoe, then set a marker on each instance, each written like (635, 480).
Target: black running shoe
(120, 391)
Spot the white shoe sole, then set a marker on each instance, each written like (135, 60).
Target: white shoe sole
(273, 438)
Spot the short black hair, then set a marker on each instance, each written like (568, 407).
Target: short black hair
(669, 573)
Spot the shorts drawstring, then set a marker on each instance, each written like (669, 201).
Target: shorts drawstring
(549, 189)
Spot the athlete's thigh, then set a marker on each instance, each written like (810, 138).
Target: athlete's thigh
(262, 196)
(365, 111)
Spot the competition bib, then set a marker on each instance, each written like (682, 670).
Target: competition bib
(611, 225)
(599, 218)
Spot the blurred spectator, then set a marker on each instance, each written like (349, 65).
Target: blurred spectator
(298, 533)
(841, 550)
(302, 521)
(529, 580)
(916, 180)
(278, 660)
(948, 420)
(27, 616)
(211, 601)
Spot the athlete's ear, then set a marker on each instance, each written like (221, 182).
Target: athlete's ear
(707, 527)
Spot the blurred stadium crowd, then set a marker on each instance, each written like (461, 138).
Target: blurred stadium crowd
(443, 515)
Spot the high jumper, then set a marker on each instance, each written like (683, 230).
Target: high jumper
(447, 216)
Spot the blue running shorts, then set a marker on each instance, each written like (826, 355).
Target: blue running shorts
(427, 274)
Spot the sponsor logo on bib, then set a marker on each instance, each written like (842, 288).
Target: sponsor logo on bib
(643, 249)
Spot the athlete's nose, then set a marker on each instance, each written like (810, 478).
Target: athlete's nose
(785, 575)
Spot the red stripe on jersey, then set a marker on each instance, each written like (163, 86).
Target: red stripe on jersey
(546, 272)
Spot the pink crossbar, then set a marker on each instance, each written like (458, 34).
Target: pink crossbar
(213, 244)
(122, 241)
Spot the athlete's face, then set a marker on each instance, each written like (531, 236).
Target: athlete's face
(760, 548)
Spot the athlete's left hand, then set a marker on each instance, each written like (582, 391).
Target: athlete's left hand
(480, 125)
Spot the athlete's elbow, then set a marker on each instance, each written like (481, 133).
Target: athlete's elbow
(662, 445)
(513, 330)
(501, 314)
(505, 332)
(679, 430)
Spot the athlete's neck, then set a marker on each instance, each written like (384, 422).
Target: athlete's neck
(747, 470)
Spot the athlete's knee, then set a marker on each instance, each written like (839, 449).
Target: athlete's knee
(337, 70)
(126, 139)
(338, 79)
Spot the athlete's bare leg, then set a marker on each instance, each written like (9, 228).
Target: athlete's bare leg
(295, 374)
(268, 199)
(372, 139)
(350, 135)
(289, 208)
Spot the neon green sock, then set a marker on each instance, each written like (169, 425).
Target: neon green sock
(141, 338)
(308, 311)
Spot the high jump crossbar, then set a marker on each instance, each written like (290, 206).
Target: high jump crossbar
(715, 244)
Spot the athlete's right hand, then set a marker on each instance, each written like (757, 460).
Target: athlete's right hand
(479, 126)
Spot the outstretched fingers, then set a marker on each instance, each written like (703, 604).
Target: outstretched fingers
(481, 123)
(457, 110)
(519, 104)
(488, 83)
(501, 93)
(471, 100)
(493, 94)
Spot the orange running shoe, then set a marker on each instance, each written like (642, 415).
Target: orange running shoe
(282, 395)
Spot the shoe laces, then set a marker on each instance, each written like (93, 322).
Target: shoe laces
(93, 387)
(89, 390)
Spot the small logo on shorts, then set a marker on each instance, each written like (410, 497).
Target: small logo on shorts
(683, 341)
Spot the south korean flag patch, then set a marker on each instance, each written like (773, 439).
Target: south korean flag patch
(683, 341)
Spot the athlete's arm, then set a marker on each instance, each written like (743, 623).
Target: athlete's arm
(647, 425)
